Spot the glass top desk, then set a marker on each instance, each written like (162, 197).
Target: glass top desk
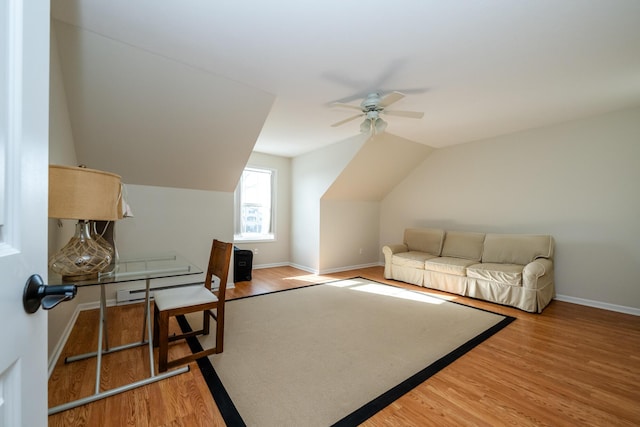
(127, 270)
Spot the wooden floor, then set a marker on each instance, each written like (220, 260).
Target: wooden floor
(569, 366)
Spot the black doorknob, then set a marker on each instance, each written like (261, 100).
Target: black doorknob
(36, 293)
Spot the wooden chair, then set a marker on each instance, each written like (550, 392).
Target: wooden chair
(190, 299)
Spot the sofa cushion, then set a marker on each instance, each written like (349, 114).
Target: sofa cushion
(461, 244)
(516, 248)
(448, 265)
(510, 274)
(427, 240)
(411, 259)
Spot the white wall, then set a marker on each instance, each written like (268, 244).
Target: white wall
(61, 152)
(61, 144)
(350, 208)
(278, 252)
(577, 181)
(174, 220)
(349, 234)
(311, 175)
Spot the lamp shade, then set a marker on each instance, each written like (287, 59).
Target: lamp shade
(84, 194)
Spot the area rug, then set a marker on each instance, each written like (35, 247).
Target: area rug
(333, 353)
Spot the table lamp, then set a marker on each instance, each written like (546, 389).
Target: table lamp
(86, 195)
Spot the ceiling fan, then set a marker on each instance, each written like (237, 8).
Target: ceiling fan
(372, 107)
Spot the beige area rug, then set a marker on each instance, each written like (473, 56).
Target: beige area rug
(334, 353)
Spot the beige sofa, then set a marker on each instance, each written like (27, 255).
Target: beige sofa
(509, 269)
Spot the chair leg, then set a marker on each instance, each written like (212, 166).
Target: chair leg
(206, 322)
(155, 327)
(219, 329)
(163, 341)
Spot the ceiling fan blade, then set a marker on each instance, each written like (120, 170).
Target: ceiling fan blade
(342, 104)
(413, 90)
(410, 114)
(341, 122)
(390, 99)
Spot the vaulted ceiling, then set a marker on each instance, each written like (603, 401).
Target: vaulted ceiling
(199, 79)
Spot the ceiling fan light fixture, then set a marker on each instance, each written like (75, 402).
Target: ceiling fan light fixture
(379, 125)
(374, 126)
(365, 126)
(372, 107)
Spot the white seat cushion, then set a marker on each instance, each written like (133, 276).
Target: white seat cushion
(449, 265)
(510, 274)
(412, 259)
(182, 297)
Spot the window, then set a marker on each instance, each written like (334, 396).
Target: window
(254, 205)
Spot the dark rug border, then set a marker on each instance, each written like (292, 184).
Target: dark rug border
(226, 406)
(232, 417)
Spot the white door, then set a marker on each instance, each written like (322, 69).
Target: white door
(24, 122)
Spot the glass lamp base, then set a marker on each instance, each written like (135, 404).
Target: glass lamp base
(82, 258)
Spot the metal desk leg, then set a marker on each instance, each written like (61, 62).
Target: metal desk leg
(151, 379)
(147, 320)
(103, 310)
(147, 297)
(103, 300)
(117, 390)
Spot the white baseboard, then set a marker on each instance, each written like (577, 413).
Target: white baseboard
(57, 351)
(599, 304)
(351, 267)
(304, 268)
(333, 270)
(278, 264)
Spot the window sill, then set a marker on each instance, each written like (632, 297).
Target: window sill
(252, 239)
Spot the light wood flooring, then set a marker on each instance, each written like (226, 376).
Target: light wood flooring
(569, 366)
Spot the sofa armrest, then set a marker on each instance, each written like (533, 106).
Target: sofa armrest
(394, 249)
(388, 252)
(533, 271)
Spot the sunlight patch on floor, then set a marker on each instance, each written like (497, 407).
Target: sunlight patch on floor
(364, 285)
(311, 278)
(386, 290)
(346, 283)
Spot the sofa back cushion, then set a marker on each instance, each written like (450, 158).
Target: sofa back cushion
(427, 240)
(461, 244)
(516, 248)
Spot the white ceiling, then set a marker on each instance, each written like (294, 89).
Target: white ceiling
(155, 121)
(476, 68)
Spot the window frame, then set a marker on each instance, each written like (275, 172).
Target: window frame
(237, 215)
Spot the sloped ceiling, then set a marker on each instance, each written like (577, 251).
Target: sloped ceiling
(154, 120)
(383, 161)
(477, 69)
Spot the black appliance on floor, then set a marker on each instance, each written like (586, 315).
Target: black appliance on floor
(242, 264)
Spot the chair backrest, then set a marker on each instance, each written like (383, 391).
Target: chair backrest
(219, 261)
